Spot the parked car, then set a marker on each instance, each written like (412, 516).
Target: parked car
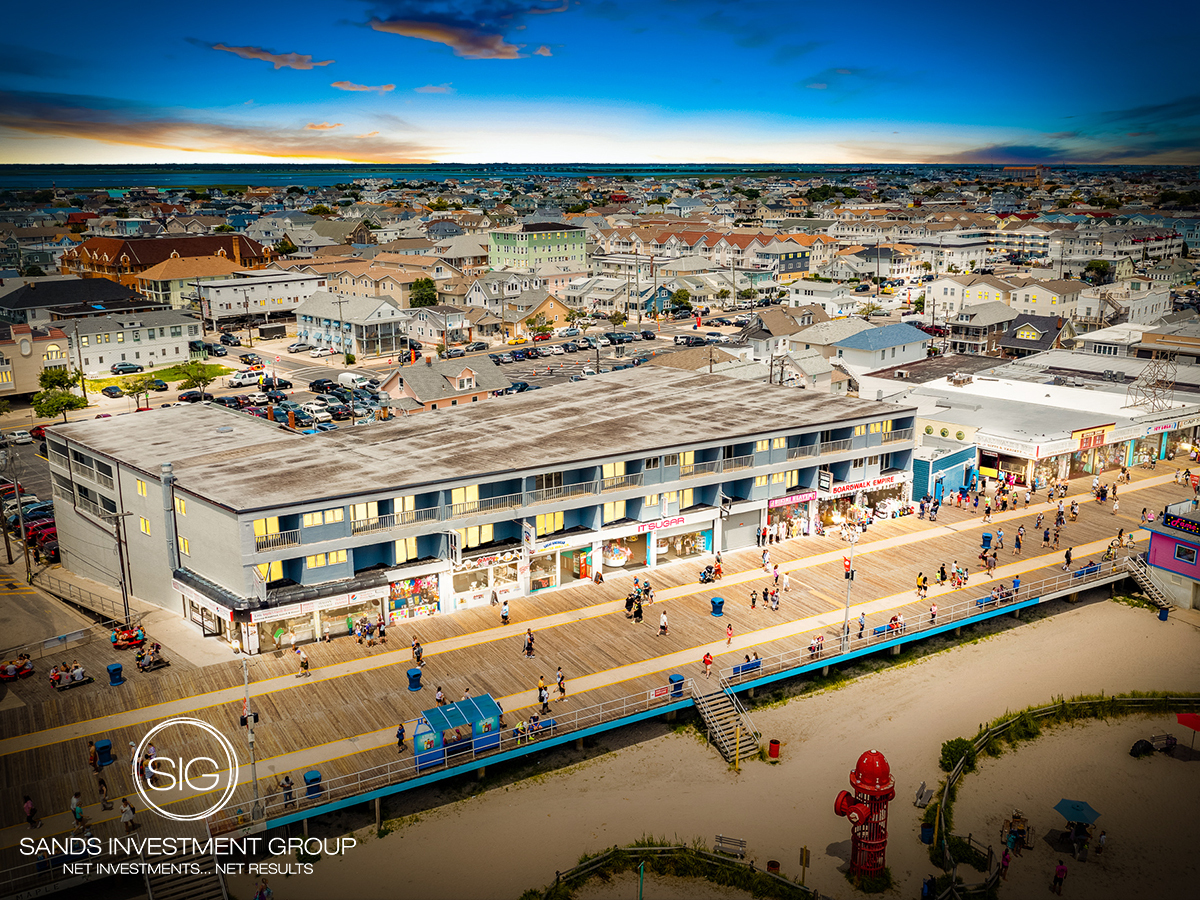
(506, 358)
(276, 396)
(250, 359)
(533, 353)
(541, 336)
(516, 340)
(494, 357)
(517, 387)
(322, 351)
(230, 340)
(570, 332)
(49, 551)
(603, 341)
(112, 391)
(649, 336)
(557, 350)
(476, 346)
(38, 432)
(326, 426)
(276, 384)
(216, 350)
(228, 402)
(28, 501)
(518, 355)
(158, 384)
(570, 347)
(454, 353)
(299, 347)
(20, 437)
(321, 385)
(258, 398)
(124, 368)
(193, 396)
(339, 411)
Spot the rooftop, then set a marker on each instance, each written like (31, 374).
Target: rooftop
(251, 464)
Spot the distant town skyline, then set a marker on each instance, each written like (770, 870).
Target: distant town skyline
(603, 81)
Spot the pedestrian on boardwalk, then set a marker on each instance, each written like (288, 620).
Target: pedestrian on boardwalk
(544, 698)
(708, 661)
(1016, 586)
(561, 680)
(933, 613)
(93, 758)
(303, 670)
(766, 559)
(776, 574)
(775, 599)
(662, 623)
(1116, 505)
(289, 790)
(529, 643)
(787, 582)
(995, 562)
(400, 738)
(862, 623)
(31, 816)
(1017, 545)
(941, 574)
(999, 538)
(504, 612)
(415, 644)
(728, 634)
(920, 575)
(753, 598)
(440, 697)
(1067, 560)
(637, 611)
(1038, 524)
(102, 790)
(127, 814)
(1005, 860)
(77, 810)
(325, 633)
(1060, 875)
(976, 505)
(420, 655)
(1057, 531)
(466, 693)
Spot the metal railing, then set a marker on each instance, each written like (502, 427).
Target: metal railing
(803, 451)
(902, 434)
(60, 642)
(62, 493)
(372, 524)
(485, 505)
(277, 540)
(59, 459)
(880, 633)
(561, 492)
(621, 482)
(94, 509)
(695, 470)
(376, 777)
(111, 608)
(1181, 507)
(836, 446)
(737, 463)
(413, 516)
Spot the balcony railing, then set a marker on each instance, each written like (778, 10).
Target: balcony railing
(93, 509)
(485, 505)
(372, 524)
(59, 459)
(835, 446)
(737, 463)
(621, 482)
(696, 470)
(92, 474)
(902, 434)
(412, 516)
(562, 492)
(277, 541)
(803, 451)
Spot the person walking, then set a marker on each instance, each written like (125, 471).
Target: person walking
(1116, 505)
(708, 661)
(77, 811)
(1067, 560)
(504, 612)
(862, 623)
(288, 787)
(303, 670)
(662, 623)
(1005, 860)
(420, 655)
(102, 790)
(400, 738)
(729, 634)
(544, 698)
(1017, 544)
(1000, 538)
(93, 758)
(753, 598)
(933, 613)
(920, 575)
(1057, 532)
(466, 693)
(561, 680)
(440, 697)
(1060, 875)
(787, 583)
(31, 816)
(127, 814)
(529, 643)
(1016, 586)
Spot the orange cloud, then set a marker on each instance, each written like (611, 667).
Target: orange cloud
(465, 42)
(279, 60)
(436, 88)
(367, 135)
(102, 119)
(351, 86)
(322, 126)
(542, 51)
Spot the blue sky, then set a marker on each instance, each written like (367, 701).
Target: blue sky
(599, 81)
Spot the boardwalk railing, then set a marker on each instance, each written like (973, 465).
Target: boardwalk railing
(880, 632)
(53, 646)
(112, 609)
(374, 778)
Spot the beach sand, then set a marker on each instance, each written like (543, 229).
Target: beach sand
(502, 841)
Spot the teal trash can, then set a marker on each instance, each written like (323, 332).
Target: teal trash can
(104, 753)
(414, 679)
(718, 607)
(926, 833)
(114, 675)
(1162, 613)
(676, 686)
(312, 783)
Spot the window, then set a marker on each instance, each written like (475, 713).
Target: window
(141, 488)
(793, 478)
(612, 470)
(475, 535)
(1185, 554)
(549, 523)
(336, 556)
(762, 446)
(762, 480)
(181, 506)
(369, 510)
(120, 337)
(652, 463)
(316, 561)
(145, 523)
(263, 527)
(176, 331)
(614, 511)
(406, 550)
(671, 459)
(778, 443)
(271, 571)
(860, 430)
(324, 517)
(185, 546)
(650, 500)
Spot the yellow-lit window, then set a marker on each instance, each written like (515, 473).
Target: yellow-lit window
(613, 470)
(335, 515)
(686, 498)
(651, 500)
(474, 536)
(887, 426)
(875, 426)
(777, 478)
(311, 519)
(263, 527)
(549, 523)
(185, 546)
(860, 430)
(778, 443)
(141, 488)
(688, 458)
(614, 511)
(369, 510)
(337, 556)
(793, 478)
(465, 495)
(406, 550)
(181, 506)
(145, 523)
(762, 446)
(671, 496)
(316, 561)
(762, 480)
(271, 571)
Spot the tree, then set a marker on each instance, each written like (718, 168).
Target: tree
(223, 229)
(351, 359)
(320, 210)
(723, 295)
(196, 376)
(952, 269)
(58, 379)
(33, 272)
(424, 293)
(136, 387)
(285, 247)
(928, 267)
(746, 294)
(682, 297)
(661, 201)
(919, 304)
(5, 407)
(618, 318)
(538, 324)
(50, 404)
(1099, 271)
(869, 307)
(575, 314)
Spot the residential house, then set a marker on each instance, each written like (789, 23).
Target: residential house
(771, 331)
(173, 281)
(25, 352)
(977, 329)
(443, 384)
(32, 301)
(258, 293)
(1116, 340)
(123, 260)
(534, 308)
(878, 348)
(532, 245)
(835, 299)
(438, 324)
(1044, 298)
(364, 326)
(1029, 334)
(492, 290)
(822, 336)
(810, 370)
(147, 339)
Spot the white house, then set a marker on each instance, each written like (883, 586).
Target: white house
(147, 339)
(879, 348)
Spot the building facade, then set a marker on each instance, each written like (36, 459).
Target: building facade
(146, 339)
(536, 244)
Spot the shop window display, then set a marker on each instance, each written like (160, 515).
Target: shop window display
(414, 598)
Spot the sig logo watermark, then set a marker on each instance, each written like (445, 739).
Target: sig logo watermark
(182, 773)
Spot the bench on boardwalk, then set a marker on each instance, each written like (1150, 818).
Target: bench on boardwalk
(743, 668)
(21, 673)
(731, 846)
(66, 685)
(880, 630)
(531, 734)
(1093, 569)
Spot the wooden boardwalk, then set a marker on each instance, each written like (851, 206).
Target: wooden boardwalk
(352, 716)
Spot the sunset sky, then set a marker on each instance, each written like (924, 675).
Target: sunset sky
(605, 81)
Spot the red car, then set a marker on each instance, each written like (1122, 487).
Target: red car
(33, 532)
(544, 336)
(46, 536)
(38, 432)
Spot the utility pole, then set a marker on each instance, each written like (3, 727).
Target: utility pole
(341, 327)
(249, 324)
(79, 356)
(256, 811)
(13, 473)
(853, 535)
(8, 449)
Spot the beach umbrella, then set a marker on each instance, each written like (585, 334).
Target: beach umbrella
(1192, 721)
(1076, 811)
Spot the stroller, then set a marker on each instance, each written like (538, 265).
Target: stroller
(708, 575)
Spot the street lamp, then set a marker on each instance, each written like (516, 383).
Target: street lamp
(852, 536)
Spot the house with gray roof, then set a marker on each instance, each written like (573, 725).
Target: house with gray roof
(978, 329)
(823, 335)
(877, 348)
(364, 326)
(1033, 334)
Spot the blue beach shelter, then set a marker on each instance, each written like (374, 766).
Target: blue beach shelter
(456, 728)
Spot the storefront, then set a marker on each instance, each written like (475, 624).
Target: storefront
(213, 619)
(854, 501)
(280, 627)
(683, 542)
(626, 553)
(413, 598)
(791, 516)
(1011, 470)
(574, 565)
(341, 612)
(476, 578)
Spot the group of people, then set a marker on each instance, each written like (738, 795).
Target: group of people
(19, 667)
(128, 637)
(148, 658)
(642, 594)
(66, 672)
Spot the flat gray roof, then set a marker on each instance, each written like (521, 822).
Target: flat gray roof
(639, 412)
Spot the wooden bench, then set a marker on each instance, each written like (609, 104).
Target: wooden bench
(924, 795)
(66, 685)
(742, 668)
(1163, 742)
(157, 664)
(21, 673)
(730, 846)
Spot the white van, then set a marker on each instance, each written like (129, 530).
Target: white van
(349, 379)
(244, 379)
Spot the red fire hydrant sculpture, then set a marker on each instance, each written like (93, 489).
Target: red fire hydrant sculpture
(867, 811)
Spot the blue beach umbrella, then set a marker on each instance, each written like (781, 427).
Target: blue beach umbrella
(1076, 811)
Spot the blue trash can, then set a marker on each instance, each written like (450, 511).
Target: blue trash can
(676, 686)
(114, 675)
(718, 607)
(104, 753)
(312, 783)
(926, 833)
(987, 540)
(414, 679)
(1162, 614)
